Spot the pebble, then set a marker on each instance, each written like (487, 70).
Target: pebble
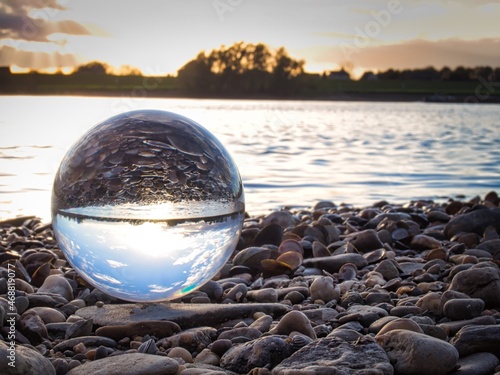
(463, 308)
(129, 364)
(477, 338)
(158, 328)
(56, 284)
(413, 353)
(322, 288)
(27, 361)
(395, 288)
(477, 364)
(333, 355)
(479, 282)
(294, 321)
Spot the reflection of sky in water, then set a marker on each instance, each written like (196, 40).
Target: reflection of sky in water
(149, 261)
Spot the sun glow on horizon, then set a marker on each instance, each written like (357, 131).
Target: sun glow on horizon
(160, 38)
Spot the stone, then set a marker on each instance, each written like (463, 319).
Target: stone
(185, 315)
(333, 263)
(26, 361)
(430, 303)
(266, 351)
(413, 353)
(57, 284)
(366, 315)
(33, 327)
(474, 221)
(477, 364)
(250, 333)
(451, 328)
(208, 357)
(158, 328)
(88, 341)
(402, 311)
(320, 315)
(282, 218)
(181, 353)
(332, 355)
(388, 269)
(400, 323)
(365, 241)
(263, 324)
(49, 314)
(322, 288)
(424, 242)
(265, 295)
(483, 283)
(463, 308)
(193, 339)
(129, 364)
(475, 339)
(294, 321)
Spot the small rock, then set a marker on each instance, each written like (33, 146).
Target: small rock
(463, 308)
(57, 285)
(401, 323)
(26, 361)
(158, 328)
(333, 263)
(332, 355)
(33, 327)
(424, 242)
(474, 221)
(365, 241)
(322, 288)
(294, 321)
(483, 283)
(413, 353)
(207, 357)
(128, 364)
(475, 339)
(265, 351)
(477, 364)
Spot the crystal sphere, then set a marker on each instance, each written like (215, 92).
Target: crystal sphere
(147, 206)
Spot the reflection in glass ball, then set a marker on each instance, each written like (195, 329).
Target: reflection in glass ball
(147, 206)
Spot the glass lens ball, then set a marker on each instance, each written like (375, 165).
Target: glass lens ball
(147, 206)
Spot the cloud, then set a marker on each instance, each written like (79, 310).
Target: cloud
(417, 54)
(33, 20)
(35, 60)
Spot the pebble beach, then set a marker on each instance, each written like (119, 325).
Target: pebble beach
(386, 289)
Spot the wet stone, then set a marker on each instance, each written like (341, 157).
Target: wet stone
(129, 364)
(483, 283)
(266, 351)
(27, 361)
(476, 339)
(477, 364)
(463, 308)
(413, 353)
(335, 355)
(158, 328)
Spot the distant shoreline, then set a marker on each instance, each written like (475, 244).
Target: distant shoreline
(354, 97)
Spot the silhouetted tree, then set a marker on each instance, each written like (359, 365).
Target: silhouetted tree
(240, 69)
(94, 67)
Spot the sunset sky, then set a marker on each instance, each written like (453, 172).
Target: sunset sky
(159, 36)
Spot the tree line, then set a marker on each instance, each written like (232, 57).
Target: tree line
(251, 70)
(242, 68)
(459, 74)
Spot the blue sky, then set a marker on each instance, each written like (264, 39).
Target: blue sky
(159, 36)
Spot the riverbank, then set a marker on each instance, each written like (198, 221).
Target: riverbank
(347, 96)
(397, 288)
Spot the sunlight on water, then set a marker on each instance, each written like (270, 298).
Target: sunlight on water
(288, 152)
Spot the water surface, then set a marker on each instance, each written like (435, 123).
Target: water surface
(288, 152)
